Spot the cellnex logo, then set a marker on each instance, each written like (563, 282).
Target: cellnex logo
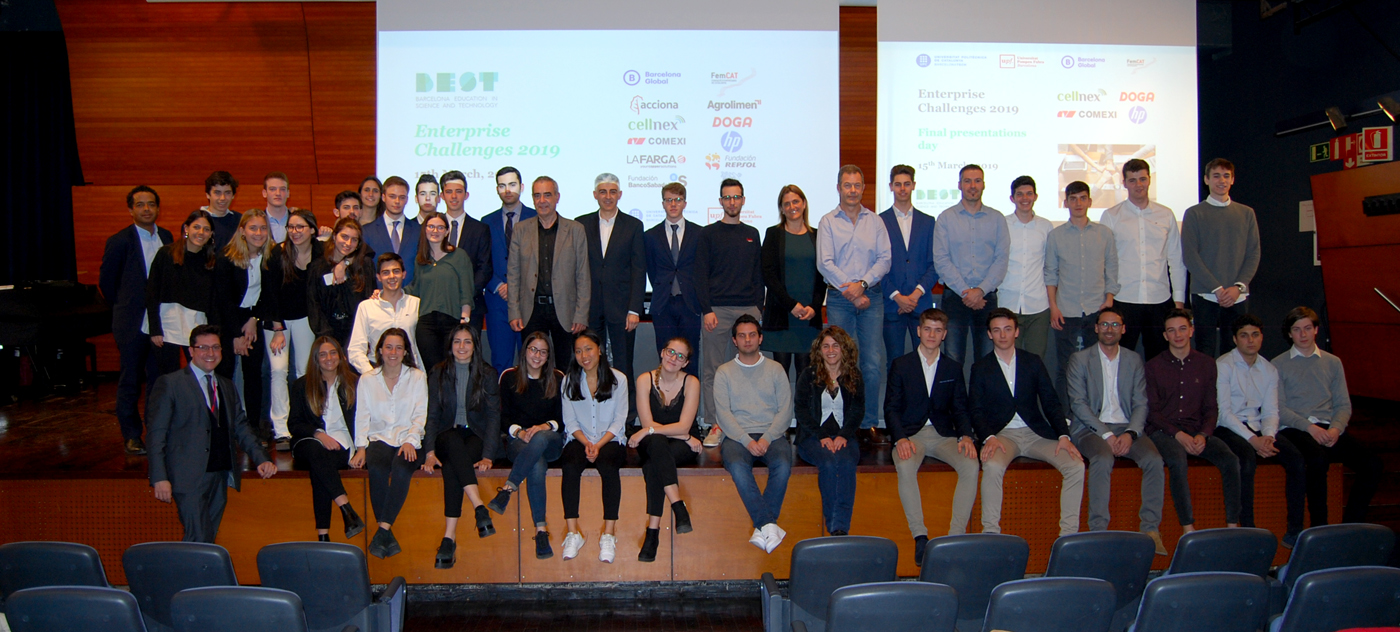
(720, 106)
(734, 121)
(638, 105)
(1142, 97)
(652, 125)
(1077, 96)
(450, 82)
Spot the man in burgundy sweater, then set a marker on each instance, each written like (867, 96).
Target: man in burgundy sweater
(1181, 414)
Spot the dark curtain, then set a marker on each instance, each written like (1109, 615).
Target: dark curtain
(39, 154)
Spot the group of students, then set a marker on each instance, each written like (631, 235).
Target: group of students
(554, 292)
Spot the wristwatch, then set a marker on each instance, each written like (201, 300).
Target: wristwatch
(864, 285)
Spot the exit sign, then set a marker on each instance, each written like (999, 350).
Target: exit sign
(1320, 152)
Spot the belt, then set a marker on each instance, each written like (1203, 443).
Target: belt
(544, 300)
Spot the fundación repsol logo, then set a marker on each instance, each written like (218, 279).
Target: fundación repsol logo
(637, 105)
(731, 142)
(453, 82)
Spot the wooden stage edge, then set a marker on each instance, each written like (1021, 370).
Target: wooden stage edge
(113, 512)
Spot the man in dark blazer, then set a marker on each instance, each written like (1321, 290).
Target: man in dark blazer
(926, 415)
(1016, 413)
(126, 260)
(675, 307)
(549, 287)
(1108, 406)
(912, 277)
(379, 234)
(503, 341)
(196, 424)
(617, 264)
(468, 235)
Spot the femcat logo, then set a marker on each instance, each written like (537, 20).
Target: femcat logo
(1141, 97)
(731, 142)
(733, 121)
(1077, 96)
(712, 161)
(638, 105)
(453, 82)
(1137, 114)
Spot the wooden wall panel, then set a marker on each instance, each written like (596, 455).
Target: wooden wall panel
(1352, 275)
(1368, 351)
(858, 96)
(1337, 200)
(341, 40)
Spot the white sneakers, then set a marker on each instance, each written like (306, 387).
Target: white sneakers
(714, 438)
(759, 540)
(607, 548)
(573, 542)
(768, 538)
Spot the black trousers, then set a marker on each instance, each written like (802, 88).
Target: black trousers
(389, 477)
(459, 449)
(659, 456)
(1294, 476)
(202, 510)
(611, 457)
(433, 337)
(141, 361)
(545, 319)
(324, 466)
(676, 320)
(802, 360)
(1145, 320)
(1349, 452)
(1212, 324)
(620, 345)
(252, 369)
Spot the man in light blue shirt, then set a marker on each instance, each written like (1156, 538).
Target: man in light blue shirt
(853, 255)
(971, 246)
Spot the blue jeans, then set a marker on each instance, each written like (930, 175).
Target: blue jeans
(836, 478)
(867, 327)
(763, 506)
(1077, 334)
(528, 463)
(898, 328)
(962, 322)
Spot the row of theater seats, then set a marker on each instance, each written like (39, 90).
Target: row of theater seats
(1218, 581)
(187, 586)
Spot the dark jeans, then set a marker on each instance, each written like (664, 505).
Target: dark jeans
(529, 462)
(1146, 321)
(677, 321)
(836, 478)
(252, 371)
(659, 457)
(1349, 452)
(389, 477)
(324, 466)
(620, 345)
(1174, 457)
(899, 328)
(1212, 324)
(202, 510)
(763, 506)
(433, 337)
(545, 319)
(141, 361)
(611, 457)
(1076, 334)
(964, 322)
(1294, 477)
(787, 359)
(459, 449)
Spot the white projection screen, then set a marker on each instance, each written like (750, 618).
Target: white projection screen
(1059, 91)
(651, 92)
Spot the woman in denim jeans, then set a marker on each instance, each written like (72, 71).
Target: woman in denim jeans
(532, 408)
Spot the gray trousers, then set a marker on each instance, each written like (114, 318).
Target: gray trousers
(1035, 332)
(1100, 456)
(927, 442)
(716, 348)
(1025, 442)
(202, 510)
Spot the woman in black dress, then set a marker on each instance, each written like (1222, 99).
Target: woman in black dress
(667, 400)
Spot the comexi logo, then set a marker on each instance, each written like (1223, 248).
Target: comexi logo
(731, 142)
(638, 105)
(453, 82)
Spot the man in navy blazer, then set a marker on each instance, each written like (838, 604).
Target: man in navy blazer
(379, 233)
(196, 424)
(126, 260)
(617, 264)
(911, 275)
(675, 307)
(926, 415)
(1016, 413)
(468, 235)
(504, 341)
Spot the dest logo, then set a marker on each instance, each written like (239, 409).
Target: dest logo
(451, 82)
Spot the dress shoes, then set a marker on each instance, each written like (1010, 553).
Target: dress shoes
(446, 554)
(483, 523)
(135, 447)
(353, 524)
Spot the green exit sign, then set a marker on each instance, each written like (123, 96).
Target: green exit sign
(1320, 152)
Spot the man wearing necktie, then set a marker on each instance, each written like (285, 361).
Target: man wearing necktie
(670, 258)
(395, 232)
(504, 341)
(469, 236)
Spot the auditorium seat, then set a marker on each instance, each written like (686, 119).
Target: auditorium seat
(1051, 604)
(156, 571)
(33, 564)
(890, 606)
(1337, 546)
(1204, 602)
(332, 581)
(237, 609)
(1340, 598)
(819, 567)
(73, 609)
(1234, 550)
(974, 565)
(1122, 558)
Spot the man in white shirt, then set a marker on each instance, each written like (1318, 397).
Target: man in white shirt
(617, 263)
(1246, 389)
(1151, 275)
(393, 308)
(277, 190)
(912, 275)
(395, 232)
(1023, 289)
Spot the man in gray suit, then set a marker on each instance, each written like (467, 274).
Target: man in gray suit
(547, 283)
(1108, 409)
(196, 420)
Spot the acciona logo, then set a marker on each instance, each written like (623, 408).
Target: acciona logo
(638, 105)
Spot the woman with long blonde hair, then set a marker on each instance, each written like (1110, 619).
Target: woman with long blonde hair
(322, 424)
(830, 403)
(244, 300)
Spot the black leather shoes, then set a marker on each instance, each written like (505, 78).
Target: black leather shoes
(483, 523)
(875, 437)
(323, 537)
(919, 544)
(542, 549)
(135, 447)
(376, 544)
(353, 524)
(682, 517)
(391, 544)
(446, 554)
(648, 553)
(840, 532)
(502, 499)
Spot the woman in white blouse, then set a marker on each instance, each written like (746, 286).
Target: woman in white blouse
(595, 415)
(391, 413)
(830, 402)
(322, 425)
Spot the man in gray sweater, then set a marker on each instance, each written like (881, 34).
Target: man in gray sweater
(1220, 243)
(1314, 407)
(753, 405)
